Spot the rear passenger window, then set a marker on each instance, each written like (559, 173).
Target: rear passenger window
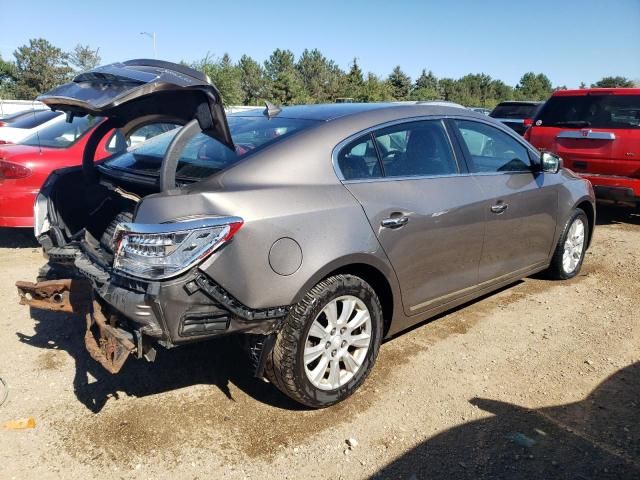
(492, 150)
(416, 149)
(359, 160)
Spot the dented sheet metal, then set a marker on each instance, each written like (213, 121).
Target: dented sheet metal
(106, 344)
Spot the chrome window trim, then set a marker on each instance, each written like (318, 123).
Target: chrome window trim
(335, 153)
(367, 131)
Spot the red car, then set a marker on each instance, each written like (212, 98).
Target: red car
(24, 167)
(597, 133)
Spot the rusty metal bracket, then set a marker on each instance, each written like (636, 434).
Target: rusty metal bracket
(68, 295)
(110, 347)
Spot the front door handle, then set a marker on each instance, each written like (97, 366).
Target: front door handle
(395, 222)
(499, 207)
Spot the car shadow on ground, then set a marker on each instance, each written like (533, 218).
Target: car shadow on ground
(219, 362)
(595, 438)
(17, 238)
(608, 214)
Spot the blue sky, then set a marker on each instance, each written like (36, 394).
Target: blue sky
(571, 41)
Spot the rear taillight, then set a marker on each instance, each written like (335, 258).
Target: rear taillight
(527, 122)
(527, 134)
(12, 171)
(3, 124)
(4, 142)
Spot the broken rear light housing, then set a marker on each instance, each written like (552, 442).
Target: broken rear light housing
(162, 251)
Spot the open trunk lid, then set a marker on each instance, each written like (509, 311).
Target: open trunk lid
(144, 91)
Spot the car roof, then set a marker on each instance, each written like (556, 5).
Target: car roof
(519, 102)
(587, 91)
(331, 111)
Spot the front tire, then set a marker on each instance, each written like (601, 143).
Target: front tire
(328, 343)
(572, 245)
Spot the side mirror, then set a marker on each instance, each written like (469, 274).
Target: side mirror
(550, 163)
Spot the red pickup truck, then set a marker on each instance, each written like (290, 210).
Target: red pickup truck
(597, 133)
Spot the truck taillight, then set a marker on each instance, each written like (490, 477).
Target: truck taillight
(13, 171)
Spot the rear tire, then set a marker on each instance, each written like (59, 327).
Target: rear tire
(572, 245)
(328, 343)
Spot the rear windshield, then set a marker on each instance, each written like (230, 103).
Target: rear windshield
(35, 119)
(203, 156)
(62, 134)
(514, 110)
(599, 111)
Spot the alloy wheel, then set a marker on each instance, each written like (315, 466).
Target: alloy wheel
(337, 343)
(573, 246)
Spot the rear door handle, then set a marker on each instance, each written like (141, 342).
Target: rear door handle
(499, 207)
(395, 222)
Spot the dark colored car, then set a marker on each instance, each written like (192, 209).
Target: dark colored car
(517, 115)
(597, 133)
(8, 119)
(315, 231)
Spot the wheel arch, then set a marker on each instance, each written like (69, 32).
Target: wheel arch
(373, 271)
(587, 206)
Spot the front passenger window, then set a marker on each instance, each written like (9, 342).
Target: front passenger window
(492, 150)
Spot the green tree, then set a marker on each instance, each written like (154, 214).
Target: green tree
(252, 81)
(501, 92)
(425, 87)
(84, 58)
(40, 66)
(285, 84)
(613, 82)
(533, 87)
(448, 88)
(374, 90)
(225, 76)
(321, 77)
(353, 82)
(7, 78)
(400, 84)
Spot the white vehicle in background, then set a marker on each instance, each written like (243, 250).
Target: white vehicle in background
(9, 107)
(29, 125)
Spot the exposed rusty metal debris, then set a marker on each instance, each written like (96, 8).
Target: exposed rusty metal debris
(106, 343)
(68, 295)
(112, 348)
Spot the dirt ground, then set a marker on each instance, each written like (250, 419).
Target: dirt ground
(540, 380)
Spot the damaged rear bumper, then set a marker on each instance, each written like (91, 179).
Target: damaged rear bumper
(127, 316)
(107, 344)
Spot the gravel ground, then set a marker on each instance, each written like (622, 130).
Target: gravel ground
(539, 380)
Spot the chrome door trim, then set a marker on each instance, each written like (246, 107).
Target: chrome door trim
(586, 134)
